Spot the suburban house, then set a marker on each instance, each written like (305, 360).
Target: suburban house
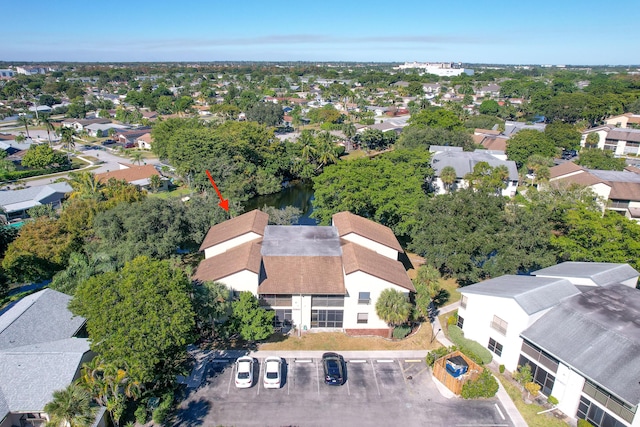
(15, 203)
(617, 190)
(511, 127)
(81, 124)
(314, 277)
(135, 175)
(144, 141)
(626, 120)
(42, 348)
(128, 138)
(576, 324)
(102, 129)
(620, 140)
(464, 161)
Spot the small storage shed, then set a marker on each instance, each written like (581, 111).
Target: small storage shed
(456, 366)
(454, 370)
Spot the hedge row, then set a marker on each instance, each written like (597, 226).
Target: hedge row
(472, 349)
(15, 175)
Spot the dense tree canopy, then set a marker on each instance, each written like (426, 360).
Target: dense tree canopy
(140, 317)
(528, 142)
(436, 118)
(418, 136)
(595, 158)
(386, 189)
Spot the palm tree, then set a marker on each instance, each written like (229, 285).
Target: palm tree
(155, 182)
(393, 307)
(85, 185)
(67, 135)
(46, 121)
(70, 407)
(325, 150)
(137, 156)
(25, 121)
(448, 177)
(307, 141)
(349, 131)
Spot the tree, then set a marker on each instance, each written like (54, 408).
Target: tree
(85, 186)
(288, 215)
(563, 135)
(140, 317)
(595, 158)
(137, 157)
(592, 141)
(422, 137)
(155, 182)
(528, 142)
(489, 107)
(24, 121)
(448, 177)
(436, 118)
(67, 136)
(39, 211)
(393, 307)
(212, 304)
(427, 284)
(46, 121)
(40, 156)
(70, 407)
(266, 113)
(252, 322)
(80, 268)
(488, 179)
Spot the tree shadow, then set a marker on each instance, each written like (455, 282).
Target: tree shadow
(406, 262)
(441, 298)
(193, 414)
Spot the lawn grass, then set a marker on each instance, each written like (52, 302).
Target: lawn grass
(178, 192)
(355, 154)
(338, 341)
(449, 285)
(529, 411)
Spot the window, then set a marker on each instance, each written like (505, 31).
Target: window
(609, 401)
(463, 301)
(326, 318)
(363, 317)
(540, 376)
(275, 300)
(588, 410)
(327, 301)
(283, 318)
(460, 322)
(541, 357)
(499, 325)
(495, 346)
(364, 297)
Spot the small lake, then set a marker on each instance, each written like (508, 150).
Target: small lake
(298, 194)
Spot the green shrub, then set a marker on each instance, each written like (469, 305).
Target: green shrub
(141, 414)
(401, 331)
(436, 354)
(452, 320)
(470, 348)
(501, 369)
(161, 413)
(483, 386)
(584, 423)
(523, 374)
(552, 400)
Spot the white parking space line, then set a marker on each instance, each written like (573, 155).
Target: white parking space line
(348, 389)
(357, 361)
(499, 411)
(375, 377)
(303, 361)
(233, 368)
(289, 376)
(385, 360)
(259, 376)
(318, 377)
(413, 361)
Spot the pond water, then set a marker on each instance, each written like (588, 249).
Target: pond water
(298, 194)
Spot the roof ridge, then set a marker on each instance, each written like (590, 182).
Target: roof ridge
(27, 307)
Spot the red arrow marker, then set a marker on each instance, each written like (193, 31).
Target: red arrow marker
(224, 203)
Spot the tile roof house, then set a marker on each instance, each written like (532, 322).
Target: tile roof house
(314, 277)
(623, 120)
(42, 347)
(618, 190)
(464, 161)
(135, 175)
(620, 140)
(15, 203)
(576, 324)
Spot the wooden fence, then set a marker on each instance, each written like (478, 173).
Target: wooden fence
(455, 384)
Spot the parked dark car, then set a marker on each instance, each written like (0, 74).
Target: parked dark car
(108, 142)
(333, 365)
(569, 154)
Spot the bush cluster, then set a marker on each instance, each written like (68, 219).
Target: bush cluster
(436, 354)
(470, 348)
(401, 331)
(483, 386)
(584, 423)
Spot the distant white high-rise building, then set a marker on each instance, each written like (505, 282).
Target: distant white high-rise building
(442, 69)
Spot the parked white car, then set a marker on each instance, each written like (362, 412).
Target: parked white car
(272, 372)
(244, 372)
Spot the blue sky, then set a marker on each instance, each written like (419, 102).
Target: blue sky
(504, 32)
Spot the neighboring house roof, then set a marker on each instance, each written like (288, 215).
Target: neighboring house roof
(29, 375)
(85, 122)
(310, 275)
(132, 135)
(625, 191)
(623, 134)
(565, 168)
(243, 257)
(511, 127)
(254, 221)
(145, 138)
(597, 334)
(359, 258)
(464, 161)
(37, 318)
(137, 175)
(18, 200)
(493, 143)
(601, 273)
(531, 293)
(347, 223)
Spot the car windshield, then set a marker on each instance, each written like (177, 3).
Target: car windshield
(332, 367)
(243, 375)
(272, 375)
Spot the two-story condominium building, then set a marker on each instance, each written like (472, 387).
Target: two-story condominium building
(314, 277)
(621, 141)
(576, 324)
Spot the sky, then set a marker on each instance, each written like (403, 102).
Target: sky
(568, 32)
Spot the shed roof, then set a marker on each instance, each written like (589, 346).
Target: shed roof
(596, 333)
(254, 221)
(347, 223)
(531, 293)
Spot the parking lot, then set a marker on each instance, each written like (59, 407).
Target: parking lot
(376, 392)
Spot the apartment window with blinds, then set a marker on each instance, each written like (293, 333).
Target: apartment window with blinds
(364, 297)
(363, 318)
(499, 325)
(463, 302)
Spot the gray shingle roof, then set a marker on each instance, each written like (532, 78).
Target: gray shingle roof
(41, 194)
(532, 293)
(38, 318)
(29, 375)
(602, 273)
(303, 240)
(597, 333)
(463, 162)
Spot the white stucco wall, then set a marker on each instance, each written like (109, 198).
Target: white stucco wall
(601, 133)
(567, 388)
(510, 191)
(244, 280)
(232, 243)
(372, 245)
(355, 283)
(478, 316)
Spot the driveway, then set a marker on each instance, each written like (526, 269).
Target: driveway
(378, 391)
